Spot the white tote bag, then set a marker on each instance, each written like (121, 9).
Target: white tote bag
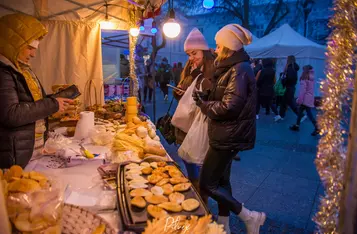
(186, 109)
(196, 143)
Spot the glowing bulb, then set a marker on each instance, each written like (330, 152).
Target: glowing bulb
(107, 25)
(154, 30)
(142, 28)
(171, 28)
(134, 32)
(208, 4)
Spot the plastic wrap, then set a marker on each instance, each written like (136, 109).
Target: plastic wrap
(34, 202)
(55, 142)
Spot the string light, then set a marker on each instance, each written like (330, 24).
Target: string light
(208, 4)
(330, 159)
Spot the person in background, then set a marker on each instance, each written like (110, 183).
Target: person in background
(157, 75)
(23, 102)
(199, 66)
(306, 98)
(149, 83)
(177, 73)
(265, 87)
(257, 66)
(289, 81)
(230, 108)
(165, 73)
(124, 66)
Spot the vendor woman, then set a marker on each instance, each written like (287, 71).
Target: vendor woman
(24, 104)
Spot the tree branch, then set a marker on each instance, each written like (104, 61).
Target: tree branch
(236, 14)
(275, 20)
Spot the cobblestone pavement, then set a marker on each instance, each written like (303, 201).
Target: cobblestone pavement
(278, 176)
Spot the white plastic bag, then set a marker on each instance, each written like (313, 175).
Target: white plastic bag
(195, 146)
(185, 111)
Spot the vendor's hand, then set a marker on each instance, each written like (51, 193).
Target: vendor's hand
(63, 103)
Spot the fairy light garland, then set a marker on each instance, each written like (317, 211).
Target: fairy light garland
(132, 46)
(330, 159)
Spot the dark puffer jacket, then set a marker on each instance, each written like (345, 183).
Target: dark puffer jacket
(231, 105)
(18, 115)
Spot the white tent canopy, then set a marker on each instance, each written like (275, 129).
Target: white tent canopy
(286, 41)
(71, 52)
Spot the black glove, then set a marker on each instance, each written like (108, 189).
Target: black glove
(198, 97)
(196, 72)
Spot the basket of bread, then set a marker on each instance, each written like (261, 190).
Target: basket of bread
(155, 189)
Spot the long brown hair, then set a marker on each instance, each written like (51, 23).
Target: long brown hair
(306, 72)
(291, 60)
(208, 66)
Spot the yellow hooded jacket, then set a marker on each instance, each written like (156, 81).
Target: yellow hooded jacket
(17, 32)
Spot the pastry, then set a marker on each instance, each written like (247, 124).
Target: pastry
(190, 204)
(168, 189)
(156, 190)
(156, 212)
(170, 167)
(16, 171)
(138, 202)
(146, 170)
(132, 166)
(156, 199)
(175, 173)
(160, 170)
(171, 206)
(163, 181)
(24, 186)
(178, 180)
(154, 165)
(176, 197)
(134, 177)
(138, 185)
(145, 164)
(161, 164)
(153, 179)
(140, 192)
(182, 187)
(139, 180)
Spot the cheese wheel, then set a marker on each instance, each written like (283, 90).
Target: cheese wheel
(131, 101)
(131, 110)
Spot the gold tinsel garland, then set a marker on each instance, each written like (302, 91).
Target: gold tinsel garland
(330, 160)
(132, 46)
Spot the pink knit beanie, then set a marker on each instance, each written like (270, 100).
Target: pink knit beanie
(195, 41)
(233, 36)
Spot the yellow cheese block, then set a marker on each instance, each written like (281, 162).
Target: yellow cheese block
(131, 110)
(131, 101)
(129, 117)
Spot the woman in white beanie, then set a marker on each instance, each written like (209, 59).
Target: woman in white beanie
(230, 108)
(200, 66)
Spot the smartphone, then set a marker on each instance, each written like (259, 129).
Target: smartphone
(168, 85)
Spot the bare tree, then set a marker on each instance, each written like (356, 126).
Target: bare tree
(240, 9)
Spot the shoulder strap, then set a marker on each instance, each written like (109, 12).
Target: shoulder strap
(168, 110)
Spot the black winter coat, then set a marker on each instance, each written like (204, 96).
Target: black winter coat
(291, 76)
(18, 117)
(231, 105)
(266, 81)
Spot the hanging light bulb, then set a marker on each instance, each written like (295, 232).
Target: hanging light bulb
(142, 27)
(171, 28)
(134, 32)
(107, 24)
(208, 4)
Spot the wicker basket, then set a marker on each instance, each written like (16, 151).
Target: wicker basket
(77, 220)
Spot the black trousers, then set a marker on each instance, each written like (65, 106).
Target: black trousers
(288, 100)
(267, 103)
(164, 88)
(146, 88)
(215, 180)
(303, 108)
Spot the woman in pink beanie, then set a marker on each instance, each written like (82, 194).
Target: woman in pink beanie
(199, 66)
(230, 108)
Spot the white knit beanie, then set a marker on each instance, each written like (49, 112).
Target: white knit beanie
(233, 36)
(195, 41)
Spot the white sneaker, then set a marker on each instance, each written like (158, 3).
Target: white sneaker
(166, 97)
(303, 118)
(257, 116)
(277, 118)
(224, 220)
(252, 220)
